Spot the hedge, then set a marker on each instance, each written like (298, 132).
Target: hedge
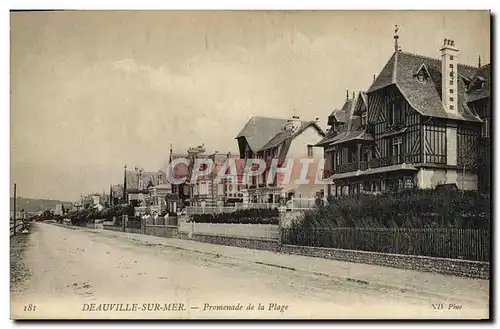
(406, 209)
(244, 216)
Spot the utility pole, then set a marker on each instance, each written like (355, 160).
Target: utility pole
(15, 209)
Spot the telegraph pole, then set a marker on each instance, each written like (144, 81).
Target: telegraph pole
(15, 209)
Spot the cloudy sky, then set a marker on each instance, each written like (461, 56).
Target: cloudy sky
(93, 91)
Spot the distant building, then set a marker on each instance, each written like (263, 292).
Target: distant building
(59, 209)
(226, 192)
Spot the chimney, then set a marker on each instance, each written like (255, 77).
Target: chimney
(294, 124)
(449, 89)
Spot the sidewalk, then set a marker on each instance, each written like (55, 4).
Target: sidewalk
(449, 288)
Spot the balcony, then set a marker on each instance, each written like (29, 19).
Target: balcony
(346, 167)
(387, 161)
(373, 163)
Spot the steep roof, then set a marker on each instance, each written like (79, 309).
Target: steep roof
(133, 179)
(424, 97)
(337, 115)
(284, 135)
(353, 129)
(259, 130)
(353, 121)
(476, 92)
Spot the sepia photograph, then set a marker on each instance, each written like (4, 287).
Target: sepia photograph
(250, 164)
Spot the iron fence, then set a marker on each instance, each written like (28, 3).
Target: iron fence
(470, 244)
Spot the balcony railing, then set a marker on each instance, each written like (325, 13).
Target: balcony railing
(373, 163)
(346, 167)
(386, 161)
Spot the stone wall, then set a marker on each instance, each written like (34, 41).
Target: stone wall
(457, 267)
(120, 229)
(161, 230)
(250, 243)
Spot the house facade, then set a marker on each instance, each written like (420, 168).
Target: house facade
(478, 99)
(413, 128)
(137, 184)
(285, 140)
(207, 191)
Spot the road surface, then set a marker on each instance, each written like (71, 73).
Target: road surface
(80, 274)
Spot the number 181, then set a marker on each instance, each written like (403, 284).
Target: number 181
(29, 308)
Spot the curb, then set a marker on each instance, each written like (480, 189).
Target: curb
(338, 277)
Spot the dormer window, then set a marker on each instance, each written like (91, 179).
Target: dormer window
(422, 73)
(363, 118)
(478, 83)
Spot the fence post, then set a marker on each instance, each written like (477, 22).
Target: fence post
(280, 230)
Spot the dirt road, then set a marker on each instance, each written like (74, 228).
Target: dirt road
(81, 274)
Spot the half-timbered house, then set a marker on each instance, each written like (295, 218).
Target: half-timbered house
(478, 99)
(413, 128)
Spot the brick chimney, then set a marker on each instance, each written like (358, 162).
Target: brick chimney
(449, 73)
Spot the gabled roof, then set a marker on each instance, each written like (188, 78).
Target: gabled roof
(353, 121)
(259, 130)
(424, 97)
(338, 116)
(476, 92)
(352, 130)
(284, 135)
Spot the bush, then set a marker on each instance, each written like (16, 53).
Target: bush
(410, 208)
(246, 216)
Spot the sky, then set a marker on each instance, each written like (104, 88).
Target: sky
(93, 91)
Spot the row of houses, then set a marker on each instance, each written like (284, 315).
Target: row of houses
(422, 123)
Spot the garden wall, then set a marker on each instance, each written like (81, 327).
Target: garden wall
(457, 267)
(120, 229)
(161, 231)
(256, 231)
(242, 242)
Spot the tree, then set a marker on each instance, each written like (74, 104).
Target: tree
(468, 156)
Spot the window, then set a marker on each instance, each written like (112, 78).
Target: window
(451, 91)
(451, 66)
(451, 57)
(452, 107)
(364, 155)
(435, 142)
(451, 74)
(451, 99)
(397, 143)
(409, 182)
(421, 77)
(309, 151)
(394, 114)
(486, 128)
(363, 118)
(451, 82)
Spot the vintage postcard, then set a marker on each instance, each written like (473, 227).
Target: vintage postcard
(250, 164)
